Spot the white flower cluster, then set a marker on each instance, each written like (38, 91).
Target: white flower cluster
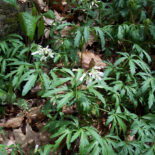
(93, 74)
(95, 3)
(44, 53)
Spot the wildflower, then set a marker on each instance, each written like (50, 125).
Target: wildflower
(82, 77)
(44, 53)
(36, 148)
(94, 3)
(95, 74)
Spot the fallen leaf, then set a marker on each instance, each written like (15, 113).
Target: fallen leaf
(41, 5)
(48, 21)
(47, 33)
(13, 122)
(22, 1)
(58, 16)
(88, 57)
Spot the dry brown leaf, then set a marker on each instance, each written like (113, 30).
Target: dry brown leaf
(41, 5)
(130, 137)
(47, 33)
(87, 57)
(48, 21)
(22, 1)
(13, 122)
(58, 16)
(31, 137)
(35, 114)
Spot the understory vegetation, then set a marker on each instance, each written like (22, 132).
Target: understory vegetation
(91, 107)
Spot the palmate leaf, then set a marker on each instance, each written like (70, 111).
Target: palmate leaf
(151, 99)
(46, 80)
(97, 94)
(65, 100)
(132, 67)
(152, 30)
(76, 135)
(83, 142)
(77, 38)
(86, 33)
(142, 65)
(60, 81)
(119, 61)
(91, 146)
(23, 77)
(96, 150)
(141, 52)
(84, 103)
(55, 91)
(57, 143)
(121, 32)
(95, 135)
(68, 139)
(101, 35)
(28, 24)
(29, 84)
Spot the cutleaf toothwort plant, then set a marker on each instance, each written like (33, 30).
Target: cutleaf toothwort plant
(95, 111)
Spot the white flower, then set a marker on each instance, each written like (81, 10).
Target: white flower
(44, 52)
(36, 148)
(82, 77)
(43, 58)
(37, 52)
(89, 80)
(74, 70)
(94, 74)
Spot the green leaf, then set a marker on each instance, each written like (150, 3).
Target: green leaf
(29, 84)
(122, 124)
(132, 67)
(83, 143)
(68, 71)
(55, 91)
(58, 82)
(77, 38)
(152, 30)
(11, 2)
(46, 80)
(65, 100)
(76, 135)
(95, 135)
(119, 61)
(120, 33)
(151, 99)
(101, 35)
(3, 66)
(28, 24)
(47, 149)
(49, 14)
(57, 143)
(61, 26)
(86, 33)
(68, 140)
(41, 27)
(96, 150)
(96, 93)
